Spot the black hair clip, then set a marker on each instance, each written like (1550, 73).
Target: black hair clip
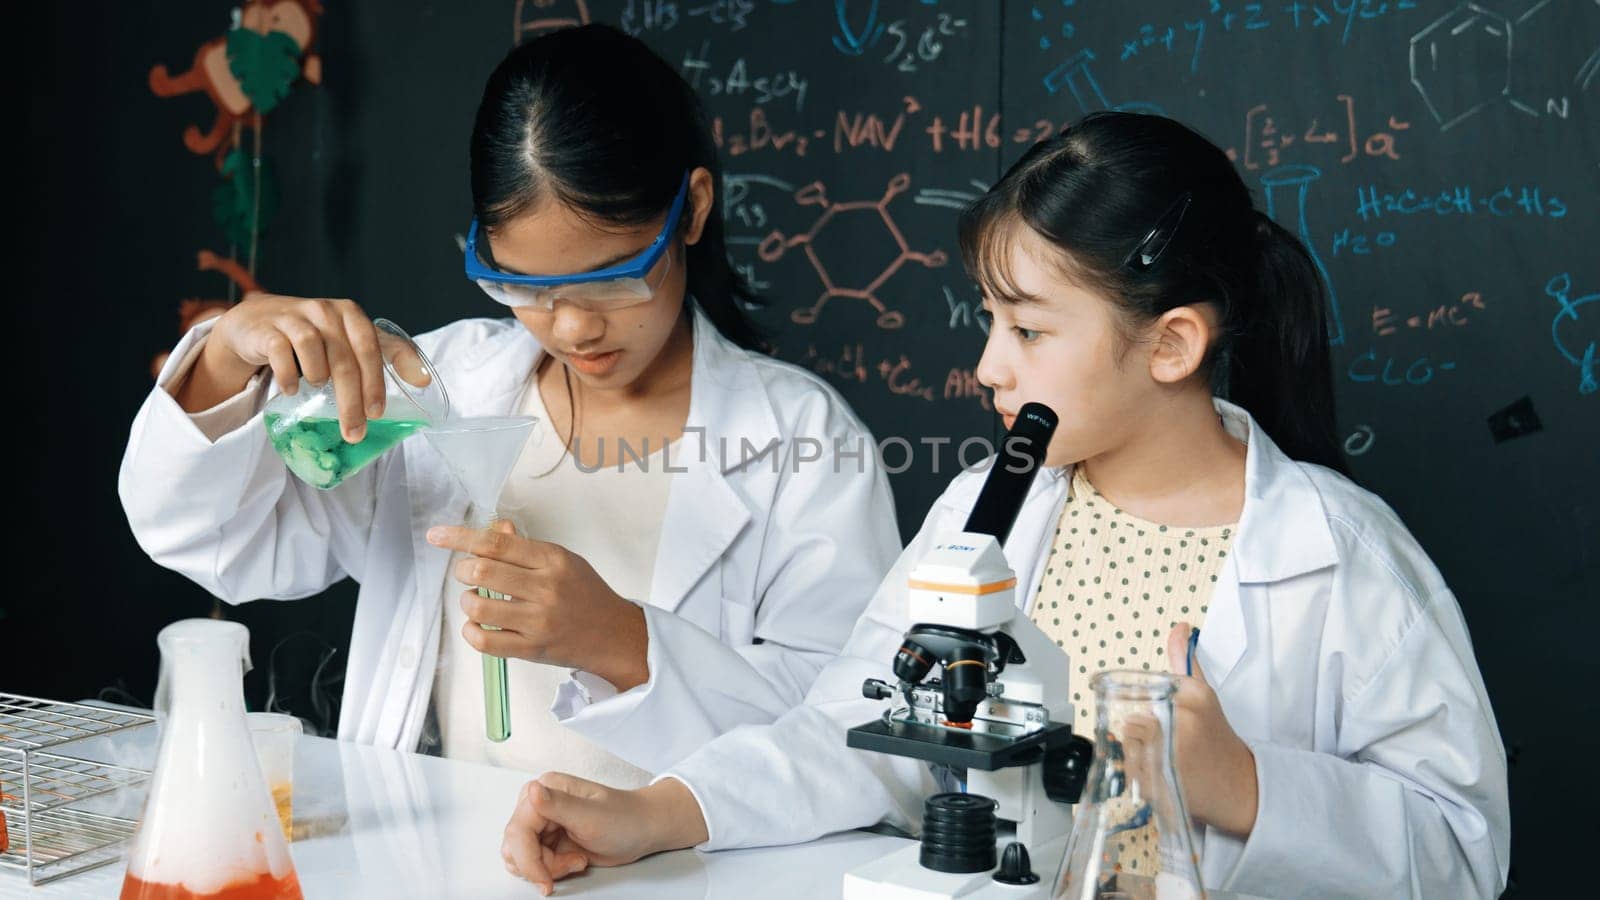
(1145, 253)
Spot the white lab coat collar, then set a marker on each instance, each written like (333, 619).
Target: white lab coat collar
(1283, 521)
(1284, 525)
(1283, 533)
(728, 405)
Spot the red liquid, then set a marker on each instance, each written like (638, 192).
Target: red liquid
(262, 887)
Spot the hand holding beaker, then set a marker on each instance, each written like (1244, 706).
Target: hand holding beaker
(320, 341)
(322, 431)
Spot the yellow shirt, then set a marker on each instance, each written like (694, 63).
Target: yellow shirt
(1115, 585)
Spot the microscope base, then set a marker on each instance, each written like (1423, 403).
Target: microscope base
(900, 876)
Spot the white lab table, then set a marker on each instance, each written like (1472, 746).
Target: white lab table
(375, 823)
(384, 824)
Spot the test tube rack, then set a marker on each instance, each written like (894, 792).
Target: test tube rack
(49, 783)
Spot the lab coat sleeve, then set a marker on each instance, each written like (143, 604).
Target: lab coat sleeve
(795, 779)
(833, 535)
(1414, 803)
(207, 497)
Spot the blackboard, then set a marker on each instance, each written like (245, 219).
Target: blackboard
(1442, 161)
(1442, 158)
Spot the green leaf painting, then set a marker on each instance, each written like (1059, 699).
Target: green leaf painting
(233, 200)
(265, 64)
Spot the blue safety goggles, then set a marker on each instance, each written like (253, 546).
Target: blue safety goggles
(614, 287)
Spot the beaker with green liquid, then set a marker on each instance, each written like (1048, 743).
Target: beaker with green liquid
(304, 427)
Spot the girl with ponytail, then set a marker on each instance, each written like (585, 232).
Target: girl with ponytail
(1333, 734)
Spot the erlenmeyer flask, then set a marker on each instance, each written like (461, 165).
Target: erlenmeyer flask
(210, 829)
(304, 426)
(1130, 833)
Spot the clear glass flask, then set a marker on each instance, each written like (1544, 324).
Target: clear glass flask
(209, 830)
(304, 426)
(1130, 832)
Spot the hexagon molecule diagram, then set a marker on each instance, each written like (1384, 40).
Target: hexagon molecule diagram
(1468, 59)
(868, 231)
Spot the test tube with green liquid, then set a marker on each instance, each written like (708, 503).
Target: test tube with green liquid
(496, 695)
(480, 452)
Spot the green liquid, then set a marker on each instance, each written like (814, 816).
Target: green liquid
(314, 450)
(496, 693)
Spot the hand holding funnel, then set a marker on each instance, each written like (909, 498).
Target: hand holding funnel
(480, 452)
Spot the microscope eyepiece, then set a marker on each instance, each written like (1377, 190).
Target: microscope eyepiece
(1022, 452)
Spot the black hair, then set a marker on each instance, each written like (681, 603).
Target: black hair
(1146, 211)
(593, 118)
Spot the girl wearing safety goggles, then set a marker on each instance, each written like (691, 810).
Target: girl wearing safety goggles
(652, 555)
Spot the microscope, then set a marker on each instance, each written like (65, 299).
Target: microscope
(996, 714)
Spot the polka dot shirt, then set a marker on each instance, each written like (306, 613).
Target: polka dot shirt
(1114, 586)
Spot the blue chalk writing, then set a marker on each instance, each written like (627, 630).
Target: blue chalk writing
(1048, 30)
(1076, 76)
(1527, 201)
(1199, 29)
(1163, 38)
(1360, 244)
(1288, 185)
(851, 41)
(1566, 330)
(1370, 368)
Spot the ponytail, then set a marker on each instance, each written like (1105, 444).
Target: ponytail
(1154, 216)
(1276, 359)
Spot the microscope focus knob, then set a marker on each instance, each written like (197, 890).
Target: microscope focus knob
(876, 689)
(1015, 867)
(1066, 768)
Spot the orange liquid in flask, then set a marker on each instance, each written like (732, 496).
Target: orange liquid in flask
(262, 887)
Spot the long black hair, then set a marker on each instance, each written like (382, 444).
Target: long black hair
(1148, 212)
(591, 117)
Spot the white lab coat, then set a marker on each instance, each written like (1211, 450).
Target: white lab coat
(1336, 650)
(764, 563)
